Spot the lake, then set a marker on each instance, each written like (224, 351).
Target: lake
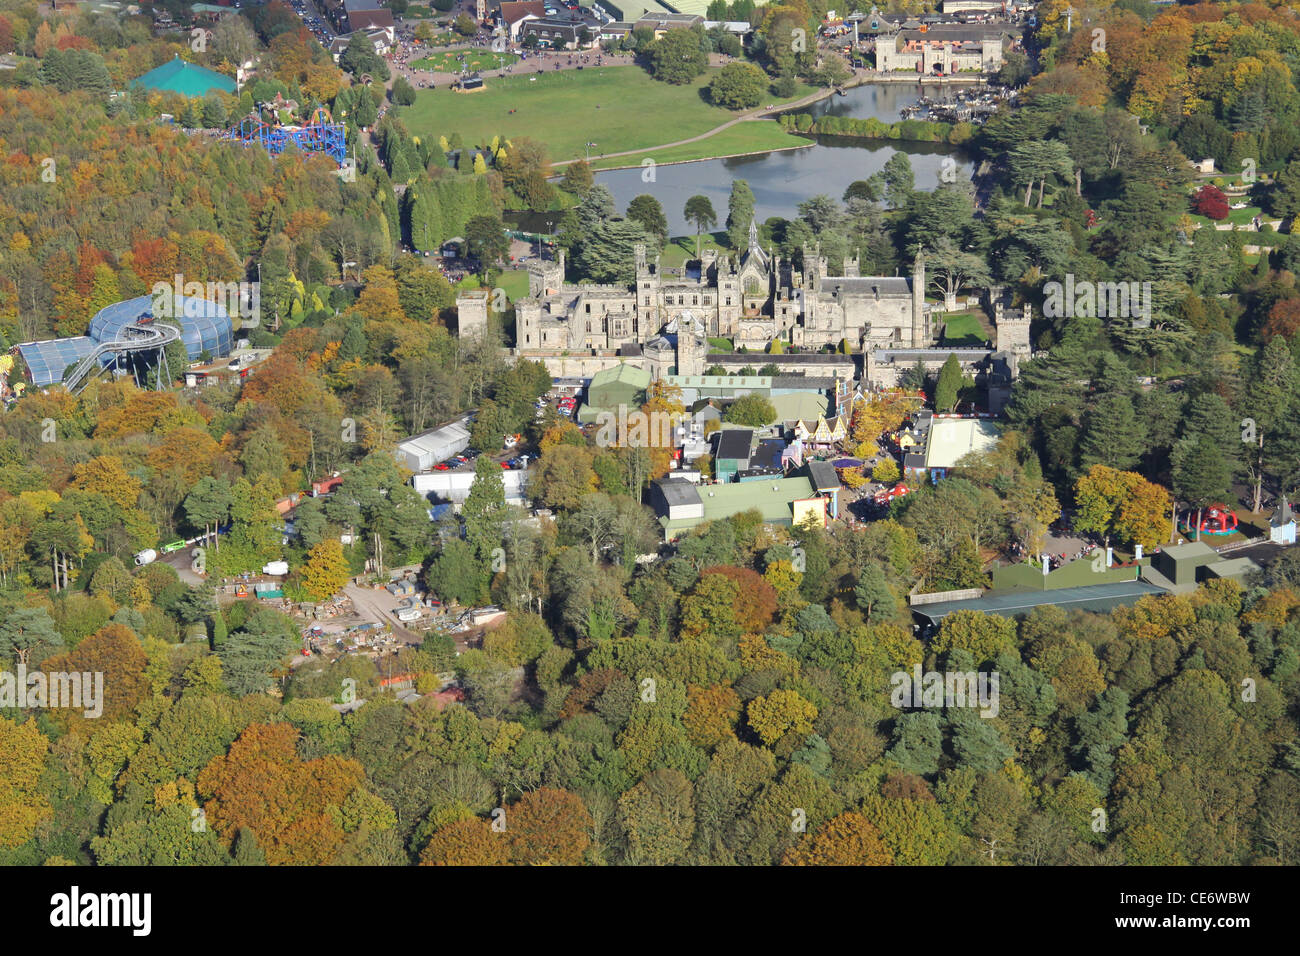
(782, 180)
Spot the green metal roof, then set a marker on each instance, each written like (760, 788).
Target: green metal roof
(1095, 597)
(772, 499)
(622, 372)
(1191, 551)
(799, 406)
(185, 78)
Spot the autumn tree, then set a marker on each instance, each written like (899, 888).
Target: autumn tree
(468, 842)
(711, 714)
(23, 803)
(548, 827)
(293, 806)
(847, 840)
(1122, 504)
(659, 815)
(779, 713)
(326, 570)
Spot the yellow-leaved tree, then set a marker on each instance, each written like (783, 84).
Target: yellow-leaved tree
(326, 571)
(22, 759)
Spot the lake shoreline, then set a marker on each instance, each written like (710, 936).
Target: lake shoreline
(775, 114)
(708, 159)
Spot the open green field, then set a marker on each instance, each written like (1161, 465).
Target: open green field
(964, 329)
(754, 136)
(618, 108)
(452, 62)
(1239, 217)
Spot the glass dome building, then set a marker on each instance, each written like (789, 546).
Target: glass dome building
(204, 324)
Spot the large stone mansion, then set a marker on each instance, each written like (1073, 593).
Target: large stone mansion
(752, 301)
(663, 321)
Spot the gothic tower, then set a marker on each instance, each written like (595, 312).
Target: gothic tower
(920, 334)
(690, 352)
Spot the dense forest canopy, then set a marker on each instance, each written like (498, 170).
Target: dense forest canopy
(689, 707)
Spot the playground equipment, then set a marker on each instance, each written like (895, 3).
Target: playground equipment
(318, 135)
(889, 495)
(1217, 519)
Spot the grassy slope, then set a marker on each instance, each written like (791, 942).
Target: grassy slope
(619, 108)
(747, 137)
(514, 282)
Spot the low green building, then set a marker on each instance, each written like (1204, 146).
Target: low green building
(731, 452)
(621, 384)
(682, 506)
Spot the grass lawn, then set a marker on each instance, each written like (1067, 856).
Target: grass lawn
(1241, 216)
(450, 62)
(749, 137)
(963, 329)
(619, 108)
(680, 249)
(1238, 217)
(720, 345)
(515, 283)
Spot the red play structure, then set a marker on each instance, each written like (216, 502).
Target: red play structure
(1216, 519)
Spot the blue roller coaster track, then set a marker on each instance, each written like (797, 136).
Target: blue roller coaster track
(317, 136)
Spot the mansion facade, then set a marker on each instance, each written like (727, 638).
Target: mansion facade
(752, 301)
(663, 323)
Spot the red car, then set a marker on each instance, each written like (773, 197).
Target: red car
(442, 466)
(505, 465)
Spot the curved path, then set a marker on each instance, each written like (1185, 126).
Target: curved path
(762, 112)
(133, 338)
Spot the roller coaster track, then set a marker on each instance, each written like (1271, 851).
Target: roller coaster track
(132, 338)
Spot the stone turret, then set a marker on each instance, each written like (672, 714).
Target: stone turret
(1012, 332)
(546, 276)
(690, 350)
(471, 311)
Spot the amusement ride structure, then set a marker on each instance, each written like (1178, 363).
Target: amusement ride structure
(318, 135)
(141, 336)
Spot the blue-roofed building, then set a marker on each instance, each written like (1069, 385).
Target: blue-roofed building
(47, 361)
(204, 326)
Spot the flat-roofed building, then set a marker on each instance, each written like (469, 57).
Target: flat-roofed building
(775, 499)
(421, 452)
(661, 23)
(952, 439)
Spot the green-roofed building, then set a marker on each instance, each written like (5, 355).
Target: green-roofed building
(622, 384)
(630, 11)
(800, 406)
(185, 78)
(1100, 598)
(681, 505)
